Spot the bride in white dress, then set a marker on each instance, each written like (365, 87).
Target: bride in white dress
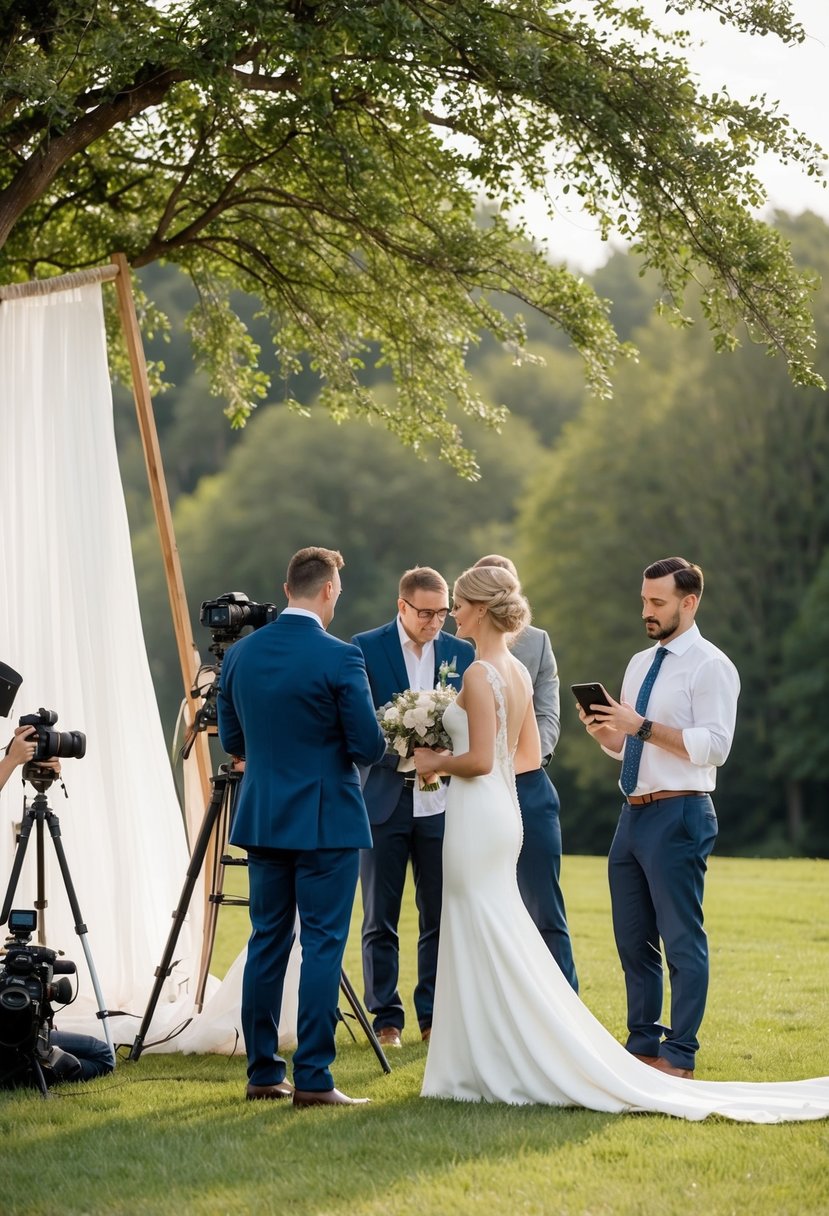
(507, 1026)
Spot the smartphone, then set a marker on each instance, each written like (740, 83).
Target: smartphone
(589, 694)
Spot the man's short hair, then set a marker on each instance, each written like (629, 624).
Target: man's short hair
(495, 559)
(687, 577)
(310, 569)
(421, 578)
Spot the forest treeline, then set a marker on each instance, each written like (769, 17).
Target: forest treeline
(716, 456)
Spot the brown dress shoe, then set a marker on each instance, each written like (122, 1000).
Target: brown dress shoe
(325, 1097)
(663, 1065)
(652, 1060)
(389, 1036)
(282, 1089)
(426, 1034)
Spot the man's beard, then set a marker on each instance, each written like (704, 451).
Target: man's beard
(662, 631)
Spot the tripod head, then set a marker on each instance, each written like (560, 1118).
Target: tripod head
(39, 775)
(207, 715)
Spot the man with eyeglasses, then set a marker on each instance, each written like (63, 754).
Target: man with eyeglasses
(406, 823)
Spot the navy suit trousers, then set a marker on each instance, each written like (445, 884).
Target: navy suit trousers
(539, 866)
(382, 877)
(656, 868)
(320, 885)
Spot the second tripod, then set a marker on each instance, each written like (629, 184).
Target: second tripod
(37, 815)
(213, 837)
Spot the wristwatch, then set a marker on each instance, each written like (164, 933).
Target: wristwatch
(645, 731)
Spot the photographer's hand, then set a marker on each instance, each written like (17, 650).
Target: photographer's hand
(19, 751)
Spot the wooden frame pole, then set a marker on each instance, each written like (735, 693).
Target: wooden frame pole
(187, 653)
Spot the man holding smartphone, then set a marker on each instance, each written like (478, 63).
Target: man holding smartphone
(672, 729)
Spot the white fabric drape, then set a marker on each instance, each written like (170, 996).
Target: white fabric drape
(71, 627)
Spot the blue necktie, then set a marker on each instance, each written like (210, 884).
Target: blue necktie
(633, 746)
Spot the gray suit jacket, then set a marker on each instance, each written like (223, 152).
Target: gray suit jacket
(532, 648)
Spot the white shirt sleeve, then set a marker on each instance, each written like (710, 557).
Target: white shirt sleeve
(715, 690)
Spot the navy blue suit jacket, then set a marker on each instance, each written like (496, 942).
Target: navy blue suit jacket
(295, 702)
(386, 667)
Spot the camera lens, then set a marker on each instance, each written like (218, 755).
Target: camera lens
(66, 743)
(71, 743)
(61, 991)
(13, 1000)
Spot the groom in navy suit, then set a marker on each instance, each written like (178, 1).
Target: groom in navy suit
(295, 703)
(405, 823)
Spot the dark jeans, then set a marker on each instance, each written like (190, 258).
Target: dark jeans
(88, 1057)
(656, 868)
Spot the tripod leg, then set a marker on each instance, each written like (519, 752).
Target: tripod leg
(80, 927)
(197, 857)
(19, 856)
(39, 1077)
(217, 847)
(41, 901)
(360, 1014)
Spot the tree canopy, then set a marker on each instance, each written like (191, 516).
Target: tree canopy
(329, 158)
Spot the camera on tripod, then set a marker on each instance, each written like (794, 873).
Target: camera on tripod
(28, 989)
(225, 617)
(51, 743)
(230, 613)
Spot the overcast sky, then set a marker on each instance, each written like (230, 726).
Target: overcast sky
(796, 76)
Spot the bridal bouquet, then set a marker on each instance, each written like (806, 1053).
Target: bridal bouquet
(415, 719)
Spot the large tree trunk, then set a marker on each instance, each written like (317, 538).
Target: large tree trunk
(794, 811)
(36, 174)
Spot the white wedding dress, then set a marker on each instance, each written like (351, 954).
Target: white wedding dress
(507, 1026)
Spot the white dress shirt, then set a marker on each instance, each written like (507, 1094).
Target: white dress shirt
(421, 672)
(696, 692)
(315, 616)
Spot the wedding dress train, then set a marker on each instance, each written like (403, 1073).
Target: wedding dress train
(507, 1026)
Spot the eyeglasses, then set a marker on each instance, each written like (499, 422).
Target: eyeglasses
(427, 614)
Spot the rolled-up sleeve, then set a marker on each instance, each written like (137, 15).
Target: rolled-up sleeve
(716, 688)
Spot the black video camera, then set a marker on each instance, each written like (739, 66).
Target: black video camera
(50, 743)
(230, 613)
(28, 988)
(226, 617)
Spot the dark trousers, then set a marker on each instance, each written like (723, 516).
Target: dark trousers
(320, 885)
(382, 878)
(656, 868)
(539, 866)
(92, 1057)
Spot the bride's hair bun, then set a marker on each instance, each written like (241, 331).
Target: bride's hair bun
(499, 591)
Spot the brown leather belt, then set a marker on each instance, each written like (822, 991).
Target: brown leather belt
(646, 799)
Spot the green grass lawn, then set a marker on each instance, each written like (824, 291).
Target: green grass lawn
(172, 1134)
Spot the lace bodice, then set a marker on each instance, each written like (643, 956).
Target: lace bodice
(503, 753)
(457, 723)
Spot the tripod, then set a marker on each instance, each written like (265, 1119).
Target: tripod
(39, 813)
(214, 832)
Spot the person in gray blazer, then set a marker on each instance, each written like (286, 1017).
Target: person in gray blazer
(539, 864)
